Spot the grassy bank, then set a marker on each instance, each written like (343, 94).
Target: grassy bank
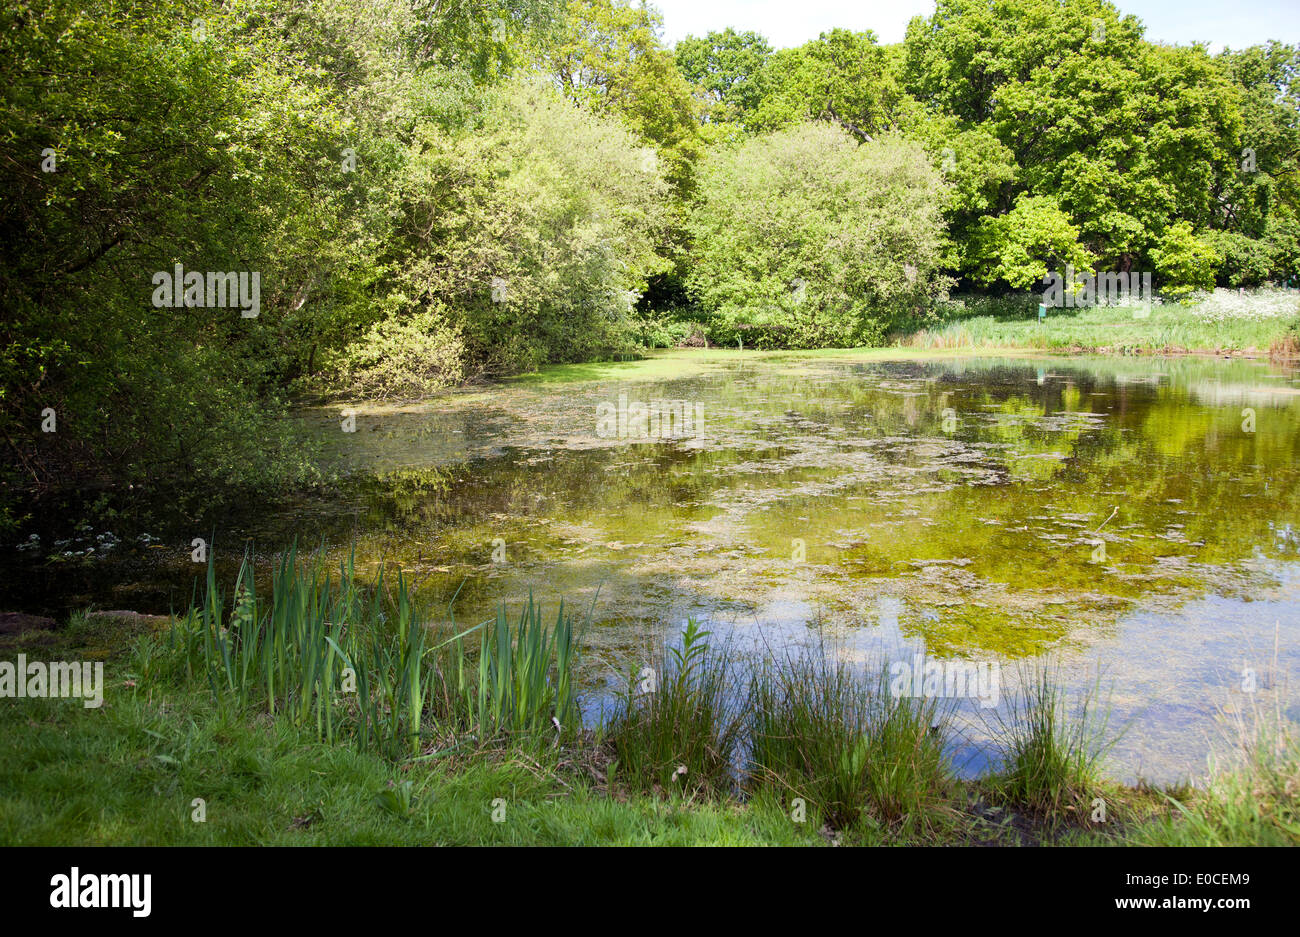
(467, 736)
(1262, 321)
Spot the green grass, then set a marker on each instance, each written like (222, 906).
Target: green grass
(677, 727)
(834, 737)
(239, 721)
(128, 775)
(1220, 322)
(1254, 803)
(1052, 756)
(353, 662)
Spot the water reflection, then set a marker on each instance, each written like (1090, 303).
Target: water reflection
(1113, 512)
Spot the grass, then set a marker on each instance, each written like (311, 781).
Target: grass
(677, 727)
(1052, 757)
(237, 712)
(1256, 800)
(130, 775)
(833, 736)
(1218, 322)
(524, 684)
(353, 662)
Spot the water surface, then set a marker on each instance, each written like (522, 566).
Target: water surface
(1133, 517)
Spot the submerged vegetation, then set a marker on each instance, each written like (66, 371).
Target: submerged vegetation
(471, 738)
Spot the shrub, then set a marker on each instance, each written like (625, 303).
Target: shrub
(536, 227)
(1021, 246)
(1242, 261)
(1184, 263)
(403, 357)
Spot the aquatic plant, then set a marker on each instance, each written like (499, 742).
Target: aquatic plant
(345, 659)
(677, 727)
(831, 733)
(1051, 757)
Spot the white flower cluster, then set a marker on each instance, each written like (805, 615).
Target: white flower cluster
(1225, 305)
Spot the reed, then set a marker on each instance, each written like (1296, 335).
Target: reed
(677, 728)
(522, 681)
(832, 734)
(1051, 756)
(325, 652)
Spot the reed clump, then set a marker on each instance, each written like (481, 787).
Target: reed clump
(1052, 756)
(832, 735)
(355, 661)
(677, 727)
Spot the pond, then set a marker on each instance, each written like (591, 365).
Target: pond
(1132, 519)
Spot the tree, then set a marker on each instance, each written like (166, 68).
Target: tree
(609, 59)
(729, 67)
(1122, 134)
(527, 238)
(843, 77)
(804, 237)
(1183, 262)
(1020, 247)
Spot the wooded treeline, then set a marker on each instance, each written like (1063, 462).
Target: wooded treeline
(435, 191)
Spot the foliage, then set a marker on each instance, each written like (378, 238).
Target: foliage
(1240, 260)
(1183, 262)
(730, 67)
(842, 77)
(609, 59)
(1124, 135)
(402, 356)
(803, 237)
(539, 228)
(1021, 246)
(677, 727)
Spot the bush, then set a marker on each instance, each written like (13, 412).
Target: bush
(1184, 263)
(403, 357)
(1018, 247)
(805, 238)
(536, 227)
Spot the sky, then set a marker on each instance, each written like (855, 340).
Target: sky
(793, 22)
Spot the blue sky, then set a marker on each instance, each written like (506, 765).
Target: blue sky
(794, 22)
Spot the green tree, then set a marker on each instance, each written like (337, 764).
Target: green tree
(1021, 246)
(843, 77)
(527, 237)
(1123, 134)
(729, 67)
(1183, 262)
(804, 237)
